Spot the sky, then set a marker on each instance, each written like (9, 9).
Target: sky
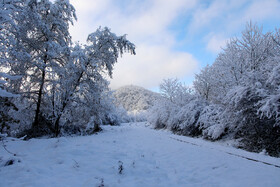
(173, 38)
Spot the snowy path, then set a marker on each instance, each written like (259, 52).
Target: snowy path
(148, 158)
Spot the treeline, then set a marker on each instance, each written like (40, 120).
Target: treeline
(237, 97)
(50, 86)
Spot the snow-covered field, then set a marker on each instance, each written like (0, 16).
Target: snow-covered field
(133, 155)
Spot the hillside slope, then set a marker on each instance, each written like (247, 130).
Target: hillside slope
(135, 98)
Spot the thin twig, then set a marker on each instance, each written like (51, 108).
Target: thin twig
(2, 139)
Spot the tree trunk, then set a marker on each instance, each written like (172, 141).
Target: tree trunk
(37, 113)
(64, 104)
(56, 126)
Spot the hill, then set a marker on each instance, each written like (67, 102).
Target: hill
(135, 98)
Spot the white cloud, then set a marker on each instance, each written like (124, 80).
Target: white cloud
(219, 20)
(146, 23)
(153, 64)
(215, 43)
(219, 14)
(261, 10)
(204, 15)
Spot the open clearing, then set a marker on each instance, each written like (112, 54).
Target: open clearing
(133, 155)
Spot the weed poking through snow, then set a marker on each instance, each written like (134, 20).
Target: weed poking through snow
(120, 167)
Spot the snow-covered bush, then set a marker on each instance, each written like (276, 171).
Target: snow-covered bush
(210, 122)
(6, 105)
(257, 132)
(178, 110)
(161, 113)
(185, 121)
(270, 104)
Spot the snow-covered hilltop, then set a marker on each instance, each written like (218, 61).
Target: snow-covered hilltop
(135, 98)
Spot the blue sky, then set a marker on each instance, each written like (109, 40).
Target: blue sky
(174, 38)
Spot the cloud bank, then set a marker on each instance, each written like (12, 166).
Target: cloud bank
(173, 37)
(146, 23)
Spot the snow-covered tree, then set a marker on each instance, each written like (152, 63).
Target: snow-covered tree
(84, 82)
(242, 92)
(202, 82)
(8, 11)
(175, 91)
(245, 90)
(58, 82)
(270, 105)
(41, 49)
(178, 109)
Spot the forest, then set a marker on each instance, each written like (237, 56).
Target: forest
(51, 86)
(237, 97)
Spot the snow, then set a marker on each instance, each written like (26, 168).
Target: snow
(148, 157)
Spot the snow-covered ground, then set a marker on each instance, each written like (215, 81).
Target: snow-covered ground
(133, 155)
